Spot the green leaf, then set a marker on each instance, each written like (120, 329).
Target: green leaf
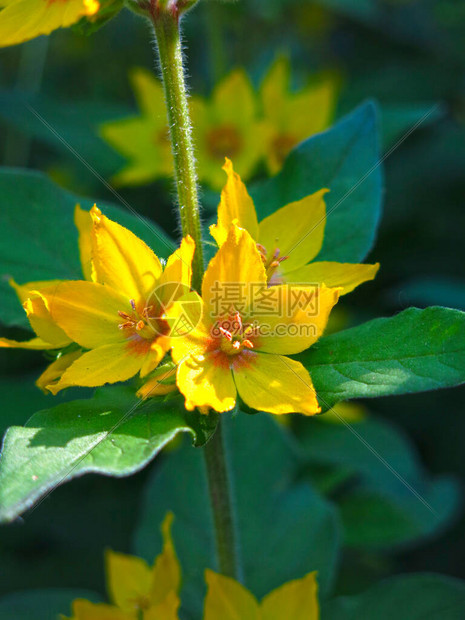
(412, 597)
(376, 520)
(286, 529)
(414, 351)
(385, 497)
(346, 160)
(113, 433)
(42, 604)
(400, 120)
(38, 239)
(61, 125)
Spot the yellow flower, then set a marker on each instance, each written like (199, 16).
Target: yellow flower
(243, 332)
(293, 117)
(288, 239)
(115, 316)
(224, 125)
(143, 139)
(21, 20)
(137, 591)
(228, 600)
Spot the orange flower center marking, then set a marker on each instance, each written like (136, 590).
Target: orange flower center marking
(224, 141)
(282, 145)
(271, 262)
(162, 137)
(142, 327)
(231, 343)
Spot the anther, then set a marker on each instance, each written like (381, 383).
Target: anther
(140, 325)
(133, 304)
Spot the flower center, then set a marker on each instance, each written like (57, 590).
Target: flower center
(232, 341)
(145, 324)
(282, 145)
(224, 141)
(272, 262)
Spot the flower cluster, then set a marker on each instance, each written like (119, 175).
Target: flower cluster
(262, 299)
(272, 121)
(140, 592)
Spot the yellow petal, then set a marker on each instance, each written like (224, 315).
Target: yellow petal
(228, 600)
(88, 312)
(189, 335)
(205, 384)
(232, 275)
(107, 364)
(35, 344)
(36, 307)
(166, 610)
(83, 222)
(175, 280)
(276, 384)
(274, 87)
(166, 572)
(22, 20)
(233, 93)
(128, 580)
(85, 610)
(345, 275)
(163, 382)
(296, 599)
(312, 109)
(149, 94)
(236, 206)
(297, 230)
(122, 260)
(158, 348)
(297, 317)
(144, 143)
(38, 312)
(54, 371)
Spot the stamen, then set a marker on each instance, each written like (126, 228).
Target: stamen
(247, 343)
(124, 315)
(236, 344)
(133, 304)
(126, 325)
(225, 333)
(140, 325)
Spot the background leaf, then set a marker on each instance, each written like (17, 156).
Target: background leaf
(414, 351)
(286, 528)
(412, 597)
(43, 244)
(113, 433)
(346, 160)
(41, 604)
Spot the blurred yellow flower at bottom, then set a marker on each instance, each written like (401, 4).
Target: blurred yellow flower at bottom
(229, 600)
(136, 590)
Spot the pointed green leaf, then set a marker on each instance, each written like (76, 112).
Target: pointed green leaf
(113, 433)
(346, 160)
(414, 351)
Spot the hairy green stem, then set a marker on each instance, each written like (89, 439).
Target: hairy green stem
(166, 24)
(220, 497)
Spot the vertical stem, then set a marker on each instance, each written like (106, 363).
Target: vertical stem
(220, 497)
(166, 24)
